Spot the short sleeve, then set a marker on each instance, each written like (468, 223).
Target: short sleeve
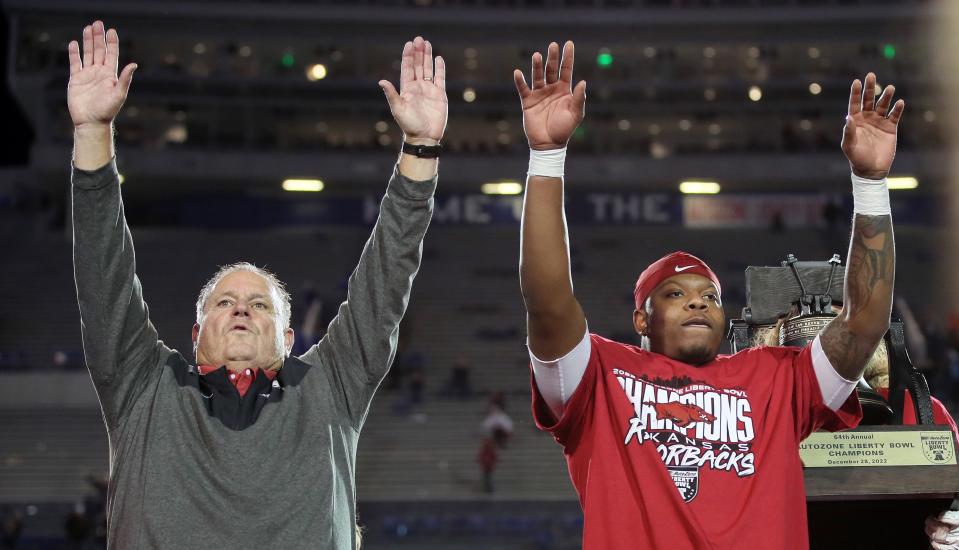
(578, 410)
(810, 411)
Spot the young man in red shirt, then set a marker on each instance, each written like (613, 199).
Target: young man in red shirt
(668, 444)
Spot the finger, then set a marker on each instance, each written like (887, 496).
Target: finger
(855, 93)
(566, 69)
(418, 58)
(390, 91)
(126, 77)
(849, 134)
(428, 60)
(520, 82)
(538, 80)
(882, 106)
(99, 43)
(73, 53)
(869, 93)
(896, 112)
(406, 64)
(87, 46)
(552, 63)
(440, 77)
(579, 96)
(113, 49)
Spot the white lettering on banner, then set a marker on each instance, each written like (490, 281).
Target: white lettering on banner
(599, 202)
(692, 427)
(447, 210)
(654, 208)
(618, 208)
(474, 210)
(628, 208)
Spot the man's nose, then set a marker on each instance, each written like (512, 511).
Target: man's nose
(697, 302)
(240, 309)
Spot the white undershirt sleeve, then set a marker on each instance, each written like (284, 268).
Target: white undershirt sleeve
(559, 378)
(834, 388)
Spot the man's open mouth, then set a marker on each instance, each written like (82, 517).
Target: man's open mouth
(698, 322)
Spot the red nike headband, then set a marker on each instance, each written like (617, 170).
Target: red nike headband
(669, 265)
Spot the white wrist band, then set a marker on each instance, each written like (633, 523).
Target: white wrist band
(549, 164)
(870, 197)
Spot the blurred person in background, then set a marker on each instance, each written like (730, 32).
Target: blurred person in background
(497, 425)
(249, 447)
(459, 384)
(668, 444)
(487, 458)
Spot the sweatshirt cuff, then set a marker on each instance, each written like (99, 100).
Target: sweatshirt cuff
(411, 189)
(95, 179)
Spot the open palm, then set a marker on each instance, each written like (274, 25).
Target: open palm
(421, 106)
(869, 137)
(95, 93)
(552, 109)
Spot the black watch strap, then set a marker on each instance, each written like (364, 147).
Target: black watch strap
(423, 151)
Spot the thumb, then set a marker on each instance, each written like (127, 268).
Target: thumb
(390, 91)
(126, 77)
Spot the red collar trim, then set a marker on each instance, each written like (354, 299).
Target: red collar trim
(240, 380)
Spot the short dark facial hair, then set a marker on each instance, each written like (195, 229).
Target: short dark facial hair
(697, 356)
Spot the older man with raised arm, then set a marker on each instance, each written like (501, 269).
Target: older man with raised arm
(668, 444)
(249, 447)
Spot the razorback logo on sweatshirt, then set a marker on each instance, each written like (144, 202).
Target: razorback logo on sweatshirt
(681, 414)
(692, 426)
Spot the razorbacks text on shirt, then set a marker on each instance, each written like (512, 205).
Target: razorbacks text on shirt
(693, 426)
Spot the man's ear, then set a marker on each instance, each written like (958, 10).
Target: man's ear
(641, 321)
(195, 336)
(288, 340)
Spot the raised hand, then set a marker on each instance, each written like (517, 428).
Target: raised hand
(421, 107)
(552, 109)
(95, 93)
(869, 138)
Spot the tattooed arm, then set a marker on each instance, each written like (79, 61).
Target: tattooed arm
(869, 142)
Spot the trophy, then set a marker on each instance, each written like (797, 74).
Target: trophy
(891, 474)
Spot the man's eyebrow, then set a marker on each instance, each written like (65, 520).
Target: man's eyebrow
(254, 296)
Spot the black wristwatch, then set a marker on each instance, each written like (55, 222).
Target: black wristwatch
(423, 151)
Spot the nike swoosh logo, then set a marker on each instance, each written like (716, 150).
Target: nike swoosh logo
(678, 269)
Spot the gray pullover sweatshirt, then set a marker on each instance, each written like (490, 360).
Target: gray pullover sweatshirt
(194, 465)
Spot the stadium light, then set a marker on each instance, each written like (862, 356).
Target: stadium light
(604, 58)
(902, 182)
(294, 184)
(699, 187)
(502, 188)
(316, 72)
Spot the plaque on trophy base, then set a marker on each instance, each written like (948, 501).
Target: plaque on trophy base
(873, 487)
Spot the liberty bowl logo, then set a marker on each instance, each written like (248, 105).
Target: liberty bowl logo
(937, 447)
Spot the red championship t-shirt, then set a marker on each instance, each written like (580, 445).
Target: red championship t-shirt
(665, 455)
